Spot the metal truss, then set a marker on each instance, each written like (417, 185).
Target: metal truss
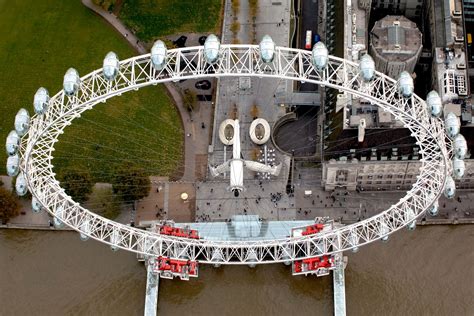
(36, 153)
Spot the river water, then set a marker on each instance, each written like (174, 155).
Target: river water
(427, 272)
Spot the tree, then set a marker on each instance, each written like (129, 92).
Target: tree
(9, 206)
(189, 99)
(103, 202)
(131, 183)
(106, 4)
(77, 183)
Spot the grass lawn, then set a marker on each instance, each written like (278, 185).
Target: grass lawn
(151, 19)
(40, 41)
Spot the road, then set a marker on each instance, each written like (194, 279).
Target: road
(308, 21)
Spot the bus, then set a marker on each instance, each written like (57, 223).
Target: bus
(308, 40)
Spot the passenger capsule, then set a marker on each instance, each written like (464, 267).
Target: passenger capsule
(41, 101)
(319, 56)
(367, 67)
(85, 229)
(460, 147)
(252, 257)
(267, 49)
(20, 185)
(71, 81)
(35, 205)
(405, 84)
(110, 66)
(22, 122)
(217, 257)
(435, 105)
(158, 55)
(384, 232)
(114, 240)
(434, 209)
(410, 216)
(286, 255)
(449, 188)
(12, 143)
(212, 46)
(58, 215)
(354, 241)
(13, 165)
(452, 125)
(458, 168)
(182, 253)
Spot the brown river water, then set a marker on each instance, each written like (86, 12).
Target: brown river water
(427, 272)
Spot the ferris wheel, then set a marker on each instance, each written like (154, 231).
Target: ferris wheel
(31, 145)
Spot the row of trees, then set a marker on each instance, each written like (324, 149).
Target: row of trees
(130, 183)
(106, 4)
(9, 205)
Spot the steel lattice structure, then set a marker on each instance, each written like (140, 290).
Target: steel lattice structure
(36, 153)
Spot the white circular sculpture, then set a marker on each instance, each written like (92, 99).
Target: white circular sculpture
(255, 131)
(37, 146)
(226, 132)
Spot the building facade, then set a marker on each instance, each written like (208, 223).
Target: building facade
(398, 175)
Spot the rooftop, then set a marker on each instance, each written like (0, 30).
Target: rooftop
(396, 38)
(246, 227)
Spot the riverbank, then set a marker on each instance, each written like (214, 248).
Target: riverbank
(46, 226)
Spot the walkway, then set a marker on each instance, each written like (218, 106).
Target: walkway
(189, 149)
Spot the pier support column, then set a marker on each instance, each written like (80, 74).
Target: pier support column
(151, 295)
(339, 286)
